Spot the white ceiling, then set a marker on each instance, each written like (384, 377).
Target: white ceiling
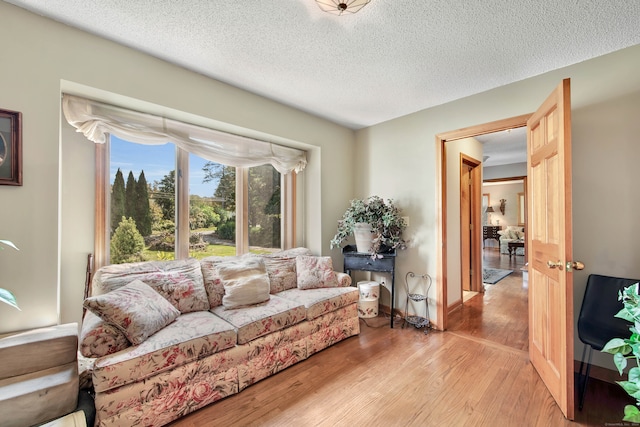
(392, 58)
(505, 147)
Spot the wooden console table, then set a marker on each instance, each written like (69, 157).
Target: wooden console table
(354, 260)
(490, 232)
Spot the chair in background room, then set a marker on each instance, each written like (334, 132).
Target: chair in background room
(597, 323)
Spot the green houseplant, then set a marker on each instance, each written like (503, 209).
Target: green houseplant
(629, 348)
(6, 296)
(384, 218)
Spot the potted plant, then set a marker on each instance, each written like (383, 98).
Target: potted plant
(377, 218)
(6, 296)
(629, 348)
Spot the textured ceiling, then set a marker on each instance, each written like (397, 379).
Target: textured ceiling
(392, 58)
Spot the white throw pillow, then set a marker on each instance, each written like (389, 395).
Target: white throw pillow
(245, 282)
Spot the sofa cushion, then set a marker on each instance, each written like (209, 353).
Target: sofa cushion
(289, 253)
(178, 281)
(281, 267)
(321, 301)
(245, 282)
(211, 276)
(191, 336)
(99, 338)
(315, 272)
(255, 321)
(282, 273)
(135, 309)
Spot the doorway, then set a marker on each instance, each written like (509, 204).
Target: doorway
(470, 204)
(446, 255)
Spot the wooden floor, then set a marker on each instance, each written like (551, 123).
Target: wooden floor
(501, 313)
(475, 374)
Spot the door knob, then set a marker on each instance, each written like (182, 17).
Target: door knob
(552, 264)
(575, 265)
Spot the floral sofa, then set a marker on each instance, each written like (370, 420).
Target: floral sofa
(166, 338)
(511, 234)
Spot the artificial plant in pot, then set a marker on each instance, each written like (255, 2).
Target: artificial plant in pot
(383, 217)
(6, 296)
(628, 348)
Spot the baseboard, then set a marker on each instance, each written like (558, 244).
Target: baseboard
(600, 373)
(455, 305)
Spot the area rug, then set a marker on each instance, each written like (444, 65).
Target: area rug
(491, 276)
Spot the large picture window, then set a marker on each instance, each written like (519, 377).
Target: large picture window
(142, 205)
(167, 189)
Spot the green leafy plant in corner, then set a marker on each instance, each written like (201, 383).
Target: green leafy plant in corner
(6, 296)
(385, 219)
(628, 348)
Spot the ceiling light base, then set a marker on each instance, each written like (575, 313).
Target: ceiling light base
(338, 7)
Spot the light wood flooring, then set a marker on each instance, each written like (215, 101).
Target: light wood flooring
(475, 374)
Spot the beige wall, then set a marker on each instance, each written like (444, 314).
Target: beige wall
(508, 192)
(51, 216)
(504, 171)
(606, 197)
(606, 104)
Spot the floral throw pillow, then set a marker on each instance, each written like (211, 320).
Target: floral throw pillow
(282, 273)
(135, 309)
(315, 272)
(99, 338)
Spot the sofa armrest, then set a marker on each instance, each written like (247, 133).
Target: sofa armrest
(344, 279)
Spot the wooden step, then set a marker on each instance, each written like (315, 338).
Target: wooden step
(38, 349)
(41, 396)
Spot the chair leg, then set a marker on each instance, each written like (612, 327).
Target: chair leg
(584, 379)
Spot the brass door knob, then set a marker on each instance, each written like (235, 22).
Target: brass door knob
(575, 265)
(552, 264)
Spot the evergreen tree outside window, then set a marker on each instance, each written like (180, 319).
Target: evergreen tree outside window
(117, 200)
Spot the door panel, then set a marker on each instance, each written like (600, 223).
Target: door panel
(549, 225)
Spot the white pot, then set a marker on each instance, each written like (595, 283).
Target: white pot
(364, 235)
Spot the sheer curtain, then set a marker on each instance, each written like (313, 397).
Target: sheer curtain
(96, 119)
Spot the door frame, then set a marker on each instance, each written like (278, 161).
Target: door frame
(470, 241)
(442, 308)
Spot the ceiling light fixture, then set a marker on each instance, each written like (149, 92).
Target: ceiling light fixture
(338, 7)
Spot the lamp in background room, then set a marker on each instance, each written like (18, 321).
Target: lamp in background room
(338, 7)
(489, 211)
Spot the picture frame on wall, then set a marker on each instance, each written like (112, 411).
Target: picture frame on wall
(10, 147)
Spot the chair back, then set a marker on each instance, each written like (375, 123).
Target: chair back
(596, 322)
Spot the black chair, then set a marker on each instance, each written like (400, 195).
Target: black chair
(596, 322)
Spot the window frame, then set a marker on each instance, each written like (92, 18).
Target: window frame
(103, 195)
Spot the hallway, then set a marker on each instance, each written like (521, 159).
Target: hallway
(500, 314)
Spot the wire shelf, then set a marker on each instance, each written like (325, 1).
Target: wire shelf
(415, 320)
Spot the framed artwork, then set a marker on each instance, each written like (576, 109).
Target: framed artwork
(521, 209)
(10, 147)
(485, 201)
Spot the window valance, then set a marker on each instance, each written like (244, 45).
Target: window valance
(96, 119)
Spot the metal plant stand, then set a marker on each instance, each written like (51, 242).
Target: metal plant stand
(415, 299)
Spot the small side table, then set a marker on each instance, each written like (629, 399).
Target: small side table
(354, 260)
(513, 245)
